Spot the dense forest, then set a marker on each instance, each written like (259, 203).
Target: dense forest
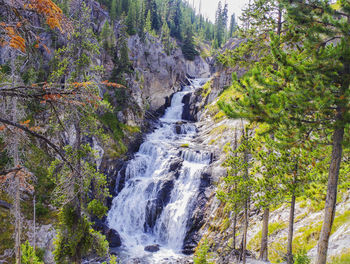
(82, 84)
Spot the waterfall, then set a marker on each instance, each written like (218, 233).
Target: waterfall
(161, 183)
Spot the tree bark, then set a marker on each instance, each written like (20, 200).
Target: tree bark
(34, 224)
(247, 198)
(79, 184)
(17, 180)
(331, 197)
(245, 231)
(264, 235)
(17, 221)
(289, 256)
(234, 230)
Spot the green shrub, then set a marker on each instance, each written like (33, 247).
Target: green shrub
(201, 255)
(95, 207)
(28, 254)
(41, 210)
(301, 258)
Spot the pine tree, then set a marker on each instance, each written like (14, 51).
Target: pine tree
(166, 37)
(327, 82)
(107, 37)
(270, 168)
(141, 26)
(131, 20)
(188, 48)
(233, 25)
(176, 18)
(218, 24)
(256, 47)
(148, 23)
(125, 4)
(238, 183)
(113, 11)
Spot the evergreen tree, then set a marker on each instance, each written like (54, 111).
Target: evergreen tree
(125, 4)
(113, 9)
(131, 20)
(233, 25)
(188, 48)
(218, 23)
(268, 164)
(176, 18)
(221, 23)
(166, 38)
(141, 26)
(326, 81)
(238, 183)
(148, 23)
(107, 38)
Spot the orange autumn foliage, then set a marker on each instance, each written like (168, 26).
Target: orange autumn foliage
(50, 10)
(16, 41)
(24, 177)
(16, 33)
(110, 84)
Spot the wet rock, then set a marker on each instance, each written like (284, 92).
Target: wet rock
(152, 248)
(197, 219)
(190, 109)
(155, 207)
(165, 191)
(112, 235)
(175, 167)
(113, 238)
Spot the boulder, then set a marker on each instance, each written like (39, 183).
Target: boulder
(113, 238)
(112, 235)
(152, 248)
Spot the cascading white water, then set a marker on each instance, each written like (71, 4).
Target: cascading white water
(161, 182)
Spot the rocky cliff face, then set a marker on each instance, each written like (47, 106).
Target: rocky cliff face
(161, 74)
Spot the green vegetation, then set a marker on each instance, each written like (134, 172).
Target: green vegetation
(28, 254)
(201, 255)
(254, 243)
(343, 258)
(293, 156)
(206, 89)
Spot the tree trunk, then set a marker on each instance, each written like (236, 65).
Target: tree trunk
(264, 235)
(18, 221)
(289, 256)
(331, 197)
(235, 145)
(279, 20)
(17, 205)
(34, 224)
(245, 231)
(79, 186)
(245, 132)
(234, 230)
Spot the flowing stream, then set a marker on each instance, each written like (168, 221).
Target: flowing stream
(161, 183)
